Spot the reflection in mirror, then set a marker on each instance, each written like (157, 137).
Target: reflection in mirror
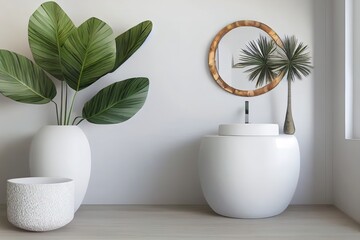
(224, 56)
(228, 56)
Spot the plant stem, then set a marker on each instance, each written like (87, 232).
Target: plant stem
(289, 126)
(61, 103)
(66, 102)
(78, 117)
(57, 113)
(71, 108)
(73, 122)
(80, 121)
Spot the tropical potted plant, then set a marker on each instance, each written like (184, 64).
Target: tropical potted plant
(77, 57)
(265, 60)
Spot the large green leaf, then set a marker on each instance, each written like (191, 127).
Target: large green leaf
(117, 102)
(48, 29)
(88, 53)
(23, 81)
(128, 42)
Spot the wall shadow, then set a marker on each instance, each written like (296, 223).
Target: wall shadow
(183, 158)
(14, 162)
(322, 134)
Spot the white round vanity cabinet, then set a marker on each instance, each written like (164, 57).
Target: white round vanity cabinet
(249, 170)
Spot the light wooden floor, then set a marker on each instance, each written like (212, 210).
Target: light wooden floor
(192, 222)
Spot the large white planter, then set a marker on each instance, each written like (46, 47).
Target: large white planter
(62, 151)
(40, 203)
(249, 176)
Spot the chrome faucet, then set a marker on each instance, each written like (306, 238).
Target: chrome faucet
(246, 112)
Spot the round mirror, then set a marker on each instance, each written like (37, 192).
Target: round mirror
(224, 55)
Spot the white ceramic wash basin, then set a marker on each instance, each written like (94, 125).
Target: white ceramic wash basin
(250, 129)
(249, 170)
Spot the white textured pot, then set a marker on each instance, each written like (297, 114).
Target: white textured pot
(62, 151)
(40, 204)
(248, 176)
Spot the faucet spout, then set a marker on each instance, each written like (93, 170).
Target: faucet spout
(246, 112)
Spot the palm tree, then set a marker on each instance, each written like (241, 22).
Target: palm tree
(259, 57)
(291, 59)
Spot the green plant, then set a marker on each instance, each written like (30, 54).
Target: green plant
(258, 56)
(77, 57)
(267, 60)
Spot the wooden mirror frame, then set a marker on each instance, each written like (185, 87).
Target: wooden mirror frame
(212, 61)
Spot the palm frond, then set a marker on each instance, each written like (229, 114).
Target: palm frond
(293, 59)
(257, 58)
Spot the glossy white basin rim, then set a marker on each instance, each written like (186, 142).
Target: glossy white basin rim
(39, 180)
(251, 129)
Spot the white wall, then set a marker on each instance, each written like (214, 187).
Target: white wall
(346, 152)
(151, 159)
